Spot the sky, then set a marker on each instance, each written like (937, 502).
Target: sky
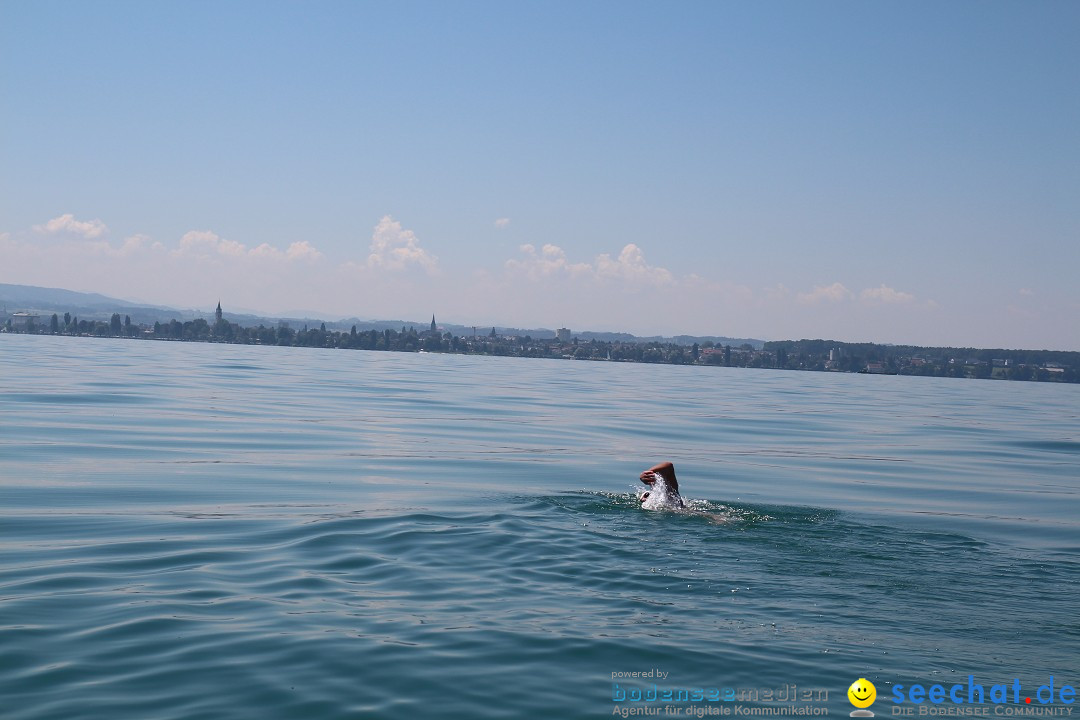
(895, 172)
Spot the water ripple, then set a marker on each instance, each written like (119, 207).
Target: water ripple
(289, 533)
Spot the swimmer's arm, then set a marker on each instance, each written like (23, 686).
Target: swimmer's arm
(665, 470)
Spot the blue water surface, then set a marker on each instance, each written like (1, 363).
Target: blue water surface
(215, 531)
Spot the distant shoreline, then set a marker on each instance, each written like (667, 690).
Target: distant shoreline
(808, 355)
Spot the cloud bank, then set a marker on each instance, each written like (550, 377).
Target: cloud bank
(208, 245)
(542, 285)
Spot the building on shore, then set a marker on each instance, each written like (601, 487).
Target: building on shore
(24, 320)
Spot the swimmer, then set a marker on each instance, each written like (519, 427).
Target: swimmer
(664, 488)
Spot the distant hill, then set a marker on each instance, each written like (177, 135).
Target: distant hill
(93, 306)
(87, 306)
(28, 297)
(676, 339)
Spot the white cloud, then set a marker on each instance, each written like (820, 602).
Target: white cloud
(631, 265)
(303, 250)
(887, 295)
(67, 223)
(134, 244)
(266, 250)
(551, 260)
(205, 245)
(1027, 292)
(296, 251)
(824, 293)
(394, 248)
(130, 246)
(502, 222)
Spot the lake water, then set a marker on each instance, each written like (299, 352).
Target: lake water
(214, 531)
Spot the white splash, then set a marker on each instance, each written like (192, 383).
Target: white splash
(662, 497)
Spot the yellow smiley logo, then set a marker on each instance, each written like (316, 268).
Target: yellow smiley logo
(862, 693)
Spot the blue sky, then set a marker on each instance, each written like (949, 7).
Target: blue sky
(894, 172)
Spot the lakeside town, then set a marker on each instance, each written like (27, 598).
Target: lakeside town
(813, 355)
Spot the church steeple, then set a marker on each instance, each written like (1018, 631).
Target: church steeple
(217, 313)
(433, 328)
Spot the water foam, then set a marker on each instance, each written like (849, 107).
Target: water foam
(662, 497)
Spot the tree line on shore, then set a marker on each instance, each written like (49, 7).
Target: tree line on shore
(980, 363)
(822, 355)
